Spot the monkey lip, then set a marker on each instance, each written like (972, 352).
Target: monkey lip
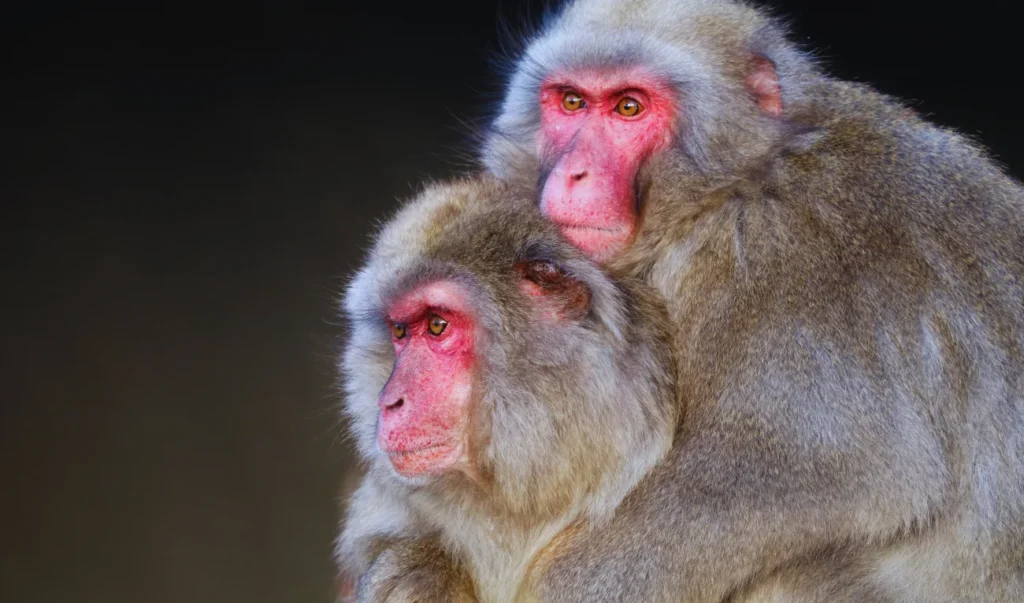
(586, 227)
(417, 450)
(425, 459)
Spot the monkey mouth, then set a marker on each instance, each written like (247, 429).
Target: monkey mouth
(424, 460)
(599, 243)
(421, 449)
(564, 226)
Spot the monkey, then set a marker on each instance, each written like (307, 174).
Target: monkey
(500, 388)
(844, 282)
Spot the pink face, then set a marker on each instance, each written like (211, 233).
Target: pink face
(426, 404)
(597, 129)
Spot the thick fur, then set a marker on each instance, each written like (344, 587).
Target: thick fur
(847, 289)
(846, 286)
(570, 413)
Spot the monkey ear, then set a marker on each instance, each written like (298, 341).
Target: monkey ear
(763, 82)
(556, 287)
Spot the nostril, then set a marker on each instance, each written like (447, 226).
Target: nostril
(577, 176)
(396, 404)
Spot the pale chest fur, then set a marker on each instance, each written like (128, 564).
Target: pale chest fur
(498, 558)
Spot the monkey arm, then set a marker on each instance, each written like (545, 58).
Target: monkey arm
(384, 557)
(414, 569)
(759, 482)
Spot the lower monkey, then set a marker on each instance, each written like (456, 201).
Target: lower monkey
(503, 390)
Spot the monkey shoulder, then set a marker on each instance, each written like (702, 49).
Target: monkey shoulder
(880, 184)
(869, 141)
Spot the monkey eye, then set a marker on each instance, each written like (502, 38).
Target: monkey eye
(398, 330)
(437, 325)
(572, 101)
(629, 107)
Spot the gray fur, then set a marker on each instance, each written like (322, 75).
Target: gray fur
(845, 286)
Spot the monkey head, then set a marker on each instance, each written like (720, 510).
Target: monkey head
(617, 105)
(489, 360)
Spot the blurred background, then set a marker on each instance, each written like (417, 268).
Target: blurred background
(186, 188)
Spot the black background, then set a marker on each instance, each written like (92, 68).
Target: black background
(185, 188)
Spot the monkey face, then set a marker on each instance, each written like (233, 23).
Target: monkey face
(427, 407)
(597, 128)
(424, 407)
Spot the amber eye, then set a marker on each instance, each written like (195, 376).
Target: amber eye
(398, 330)
(572, 102)
(628, 107)
(437, 325)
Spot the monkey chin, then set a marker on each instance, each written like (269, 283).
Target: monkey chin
(599, 244)
(427, 461)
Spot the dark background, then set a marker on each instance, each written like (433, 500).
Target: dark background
(185, 188)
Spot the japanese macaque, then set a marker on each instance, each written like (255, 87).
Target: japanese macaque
(501, 388)
(845, 285)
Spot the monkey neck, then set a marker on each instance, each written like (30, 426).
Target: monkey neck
(499, 543)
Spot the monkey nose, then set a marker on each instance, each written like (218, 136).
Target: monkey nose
(577, 175)
(395, 405)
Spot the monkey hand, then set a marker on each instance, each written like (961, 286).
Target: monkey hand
(414, 571)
